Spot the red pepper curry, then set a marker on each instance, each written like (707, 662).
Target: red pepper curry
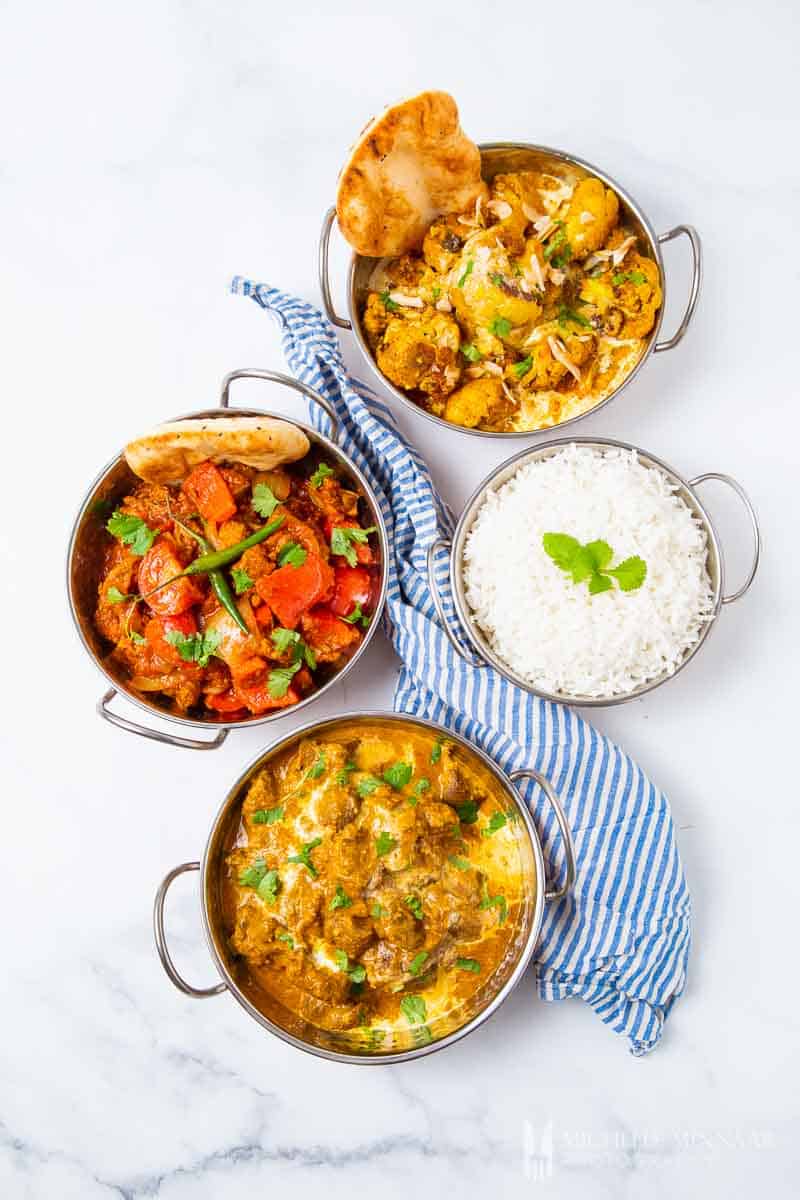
(238, 591)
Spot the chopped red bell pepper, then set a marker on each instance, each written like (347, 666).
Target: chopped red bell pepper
(157, 629)
(159, 564)
(353, 586)
(259, 699)
(364, 552)
(224, 702)
(206, 488)
(328, 635)
(291, 591)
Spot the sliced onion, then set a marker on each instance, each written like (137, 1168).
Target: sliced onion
(406, 301)
(559, 351)
(500, 209)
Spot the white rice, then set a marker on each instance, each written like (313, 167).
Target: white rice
(550, 631)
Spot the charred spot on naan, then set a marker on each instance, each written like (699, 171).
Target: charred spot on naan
(410, 164)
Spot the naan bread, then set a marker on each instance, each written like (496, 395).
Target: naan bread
(168, 454)
(410, 165)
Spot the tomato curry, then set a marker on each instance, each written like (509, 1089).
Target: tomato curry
(239, 591)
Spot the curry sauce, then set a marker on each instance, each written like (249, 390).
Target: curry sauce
(373, 885)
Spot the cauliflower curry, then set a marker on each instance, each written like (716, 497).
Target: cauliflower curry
(519, 314)
(373, 886)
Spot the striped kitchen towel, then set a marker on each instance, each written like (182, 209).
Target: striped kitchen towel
(620, 939)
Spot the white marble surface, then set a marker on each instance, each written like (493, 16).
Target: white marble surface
(149, 152)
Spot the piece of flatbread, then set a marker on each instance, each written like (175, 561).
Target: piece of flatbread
(410, 165)
(168, 454)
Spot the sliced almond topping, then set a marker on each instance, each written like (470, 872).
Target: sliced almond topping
(621, 250)
(530, 213)
(500, 209)
(492, 368)
(406, 301)
(559, 351)
(444, 305)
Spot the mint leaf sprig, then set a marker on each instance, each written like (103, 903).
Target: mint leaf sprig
(590, 561)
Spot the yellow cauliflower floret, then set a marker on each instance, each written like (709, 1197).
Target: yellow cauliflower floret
(444, 242)
(515, 192)
(420, 352)
(626, 298)
(376, 318)
(486, 294)
(592, 214)
(476, 402)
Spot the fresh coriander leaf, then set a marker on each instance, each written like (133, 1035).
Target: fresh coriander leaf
(630, 574)
(264, 500)
(388, 304)
(558, 239)
(398, 775)
(384, 843)
(279, 679)
(322, 473)
(468, 964)
(599, 583)
(268, 816)
(304, 857)
(317, 768)
(340, 900)
(269, 887)
(497, 279)
(131, 531)
(357, 973)
(136, 638)
(436, 752)
(366, 786)
(498, 902)
(291, 554)
(377, 910)
(343, 539)
(521, 368)
(197, 647)
(435, 293)
(115, 596)
(500, 327)
(356, 617)
(467, 812)
(471, 352)
(420, 787)
(414, 1010)
(341, 960)
(251, 876)
(343, 776)
(635, 277)
(566, 314)
(562, 548)
(417, 962)
(286, 937)
(284, 638)
(495, 822)
(415, 905)
(461, 864)
(241, 580)
(309, 657)
(421, 1035)
(467, 273)
(600, 554)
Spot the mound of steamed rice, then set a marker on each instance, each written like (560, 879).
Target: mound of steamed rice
(550, 631)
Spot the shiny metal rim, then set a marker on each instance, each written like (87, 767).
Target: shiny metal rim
(655, 248)
(212, 726)
(525, 954)
(457, 590)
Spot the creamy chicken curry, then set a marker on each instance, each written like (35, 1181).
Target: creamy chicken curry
(373, 885)
(525, 311)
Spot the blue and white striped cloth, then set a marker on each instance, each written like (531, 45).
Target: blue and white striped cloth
(620, 940)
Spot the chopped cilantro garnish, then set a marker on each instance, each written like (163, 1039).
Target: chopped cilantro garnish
(635, 277)
(498, 902)
(241, 580)
(115, 596)
(496, 821)
(467, 273)
(471, 352)
(343, 776)
(590, 561)
(500, 327)
(461, 864)
(414, 1010)
(384, 843)
(196, 647)
(285, 937)
(435, 293)
(417, 962)
(343, 539)
(269, 887)
(291, 554)
(436, 752)
(284, 638)
(268, 816)
(522, 367)
(388, 304)
(356, 973)
(340, 900)
(317, 768)
(367, 785)
(304, 857)
(131, 531)
(377, 910)
(468, 964)
(264, 500)
(357, 617)
(415, 905)
(279, 679)
(420, 786)
(566, 314)
(398, 775)
(251, 876)
(322, 472)
(467, 812)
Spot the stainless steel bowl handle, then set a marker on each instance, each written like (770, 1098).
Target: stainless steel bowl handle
(566, 834)
(436, 544)
(751, 512)
(161, 938)
(286, 381)
(697, 274)
(324, 282)
(169, 739)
